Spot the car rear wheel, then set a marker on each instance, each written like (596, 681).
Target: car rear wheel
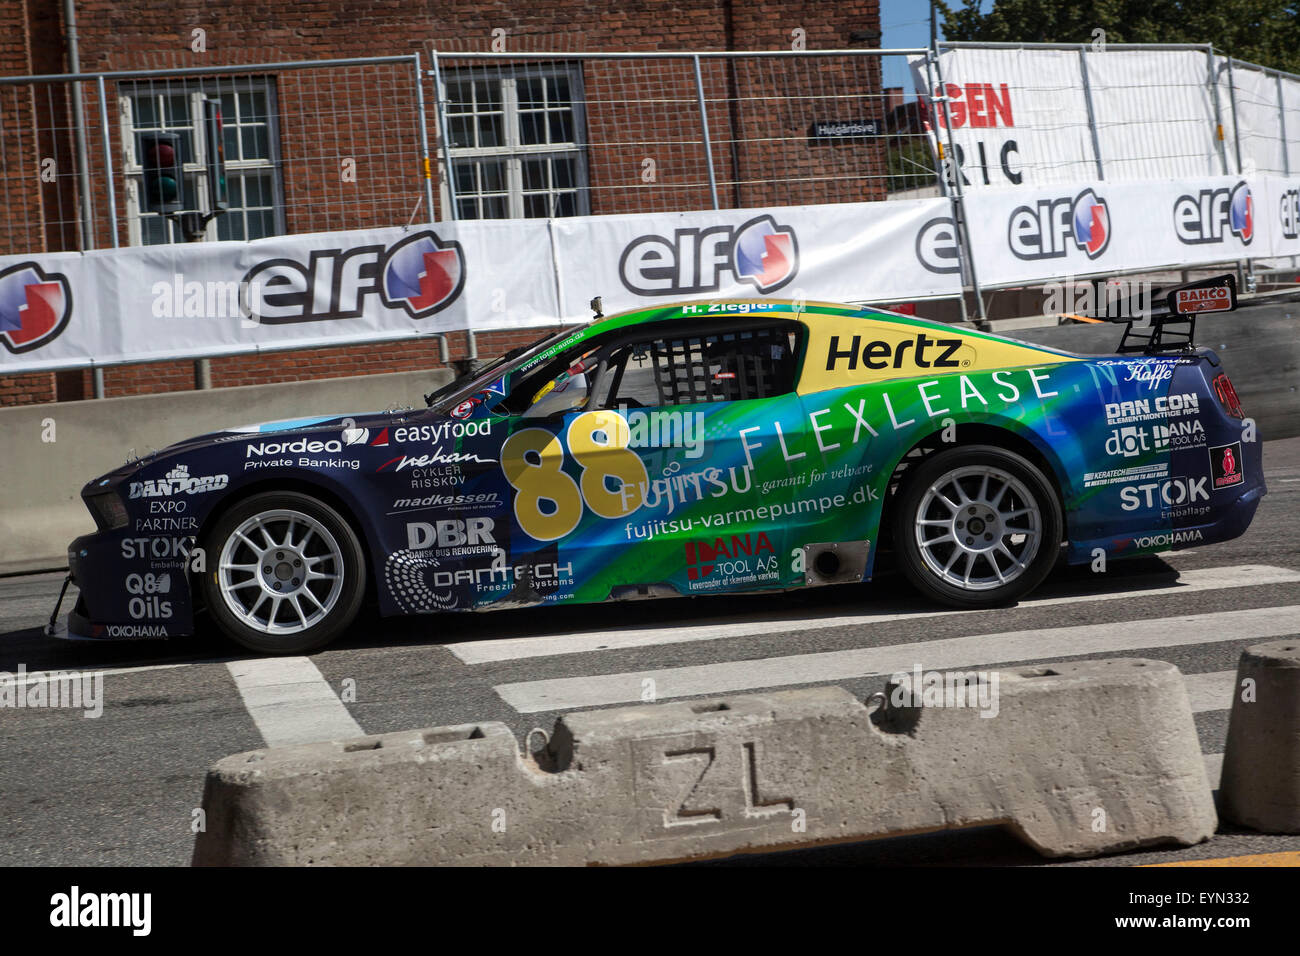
(976, 527)
(286, 575)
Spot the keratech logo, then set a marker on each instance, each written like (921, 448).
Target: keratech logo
(35, 306)
(1210, 214)
(925, 353)
(702, 557)
(761, 252)
(1225, 465)
(1049, 228)
(420, 274)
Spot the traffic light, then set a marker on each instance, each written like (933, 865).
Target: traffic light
(160, 156)
(218, 189)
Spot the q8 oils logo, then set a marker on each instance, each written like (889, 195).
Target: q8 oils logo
(760, 252)
(35, 306)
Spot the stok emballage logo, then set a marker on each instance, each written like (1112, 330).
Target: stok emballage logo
(35, 306)
(760, 252)
(420, 274)
(1211, 214)
(1051, 227)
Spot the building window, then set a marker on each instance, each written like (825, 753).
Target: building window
(518, 147)
(251, 137)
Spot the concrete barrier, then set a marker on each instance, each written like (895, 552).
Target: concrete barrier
(1260, 787)
(1080, 759)
(1259, 347)
(42, 510)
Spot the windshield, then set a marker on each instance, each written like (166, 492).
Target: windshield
(491, 379)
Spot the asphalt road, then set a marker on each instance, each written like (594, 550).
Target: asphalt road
(122, 788)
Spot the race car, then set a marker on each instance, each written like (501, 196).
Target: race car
(689, 449)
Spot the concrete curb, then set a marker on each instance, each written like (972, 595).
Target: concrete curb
(1080, 759)
(43, 510)
(1260, 788)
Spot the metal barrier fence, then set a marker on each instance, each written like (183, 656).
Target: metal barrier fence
(309, 147)
(349, 144)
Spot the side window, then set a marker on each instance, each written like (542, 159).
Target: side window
(690, 370)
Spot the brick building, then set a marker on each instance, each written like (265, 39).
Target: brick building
(337, 147)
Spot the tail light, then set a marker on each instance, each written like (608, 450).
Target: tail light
(1227, 395)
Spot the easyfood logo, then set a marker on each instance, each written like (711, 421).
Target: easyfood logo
(760, 252)
(1211, 214)
(1051, 227)
(35, 306)
(420, 274)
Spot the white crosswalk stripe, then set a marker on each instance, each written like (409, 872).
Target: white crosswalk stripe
(574, 693)
(508, 649)
(290, 702)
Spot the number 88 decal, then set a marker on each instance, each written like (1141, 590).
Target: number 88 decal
(532, 462)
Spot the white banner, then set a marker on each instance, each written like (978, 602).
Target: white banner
(226, 298)
(1047, 232)
(1020, 117)
(844, 252)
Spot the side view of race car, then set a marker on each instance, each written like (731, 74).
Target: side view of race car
(690, 449)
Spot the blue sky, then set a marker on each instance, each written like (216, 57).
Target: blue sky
(907, 23)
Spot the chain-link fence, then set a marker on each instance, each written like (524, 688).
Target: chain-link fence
(308, 147)
(342, 144)
(533, 135)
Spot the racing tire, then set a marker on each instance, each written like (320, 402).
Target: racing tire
(286, 573)
(976, 527)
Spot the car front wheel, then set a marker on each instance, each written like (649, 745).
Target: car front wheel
(977, 527)
(286, 573)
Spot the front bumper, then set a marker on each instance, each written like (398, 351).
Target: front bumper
(130, 588)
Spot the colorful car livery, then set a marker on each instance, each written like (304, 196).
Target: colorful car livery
(697, 448)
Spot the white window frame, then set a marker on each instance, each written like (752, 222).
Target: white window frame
(134, 172)
(512, 151)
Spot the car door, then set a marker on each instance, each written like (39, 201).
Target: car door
(689, 455)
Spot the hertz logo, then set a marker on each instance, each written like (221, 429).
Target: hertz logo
(880, 355)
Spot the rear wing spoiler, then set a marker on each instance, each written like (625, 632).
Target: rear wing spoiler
(1173, 315)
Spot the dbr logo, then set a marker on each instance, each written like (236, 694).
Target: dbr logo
(420, 274)
(1211, 213)
(35, 306)
(760, 252)
(1048, 228)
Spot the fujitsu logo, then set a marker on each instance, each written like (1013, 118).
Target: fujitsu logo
(701, 556)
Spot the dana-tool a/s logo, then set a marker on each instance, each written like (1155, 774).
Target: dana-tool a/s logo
(761, 252)
(1050, 228)
(1212, 214)
(420, 274)
(35, 306)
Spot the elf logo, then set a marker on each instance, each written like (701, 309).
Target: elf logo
(420, 274)
(760, 252)
(926, 353)
(1050, 227)
(1210, 214)
(1289, 214)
